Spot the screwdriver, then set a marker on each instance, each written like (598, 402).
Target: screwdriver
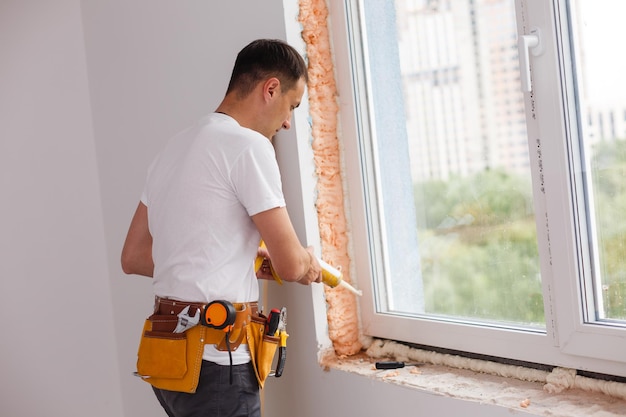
(394, 365)
(271, 326)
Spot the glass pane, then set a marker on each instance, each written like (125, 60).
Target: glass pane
(467, 157)
(600, 70)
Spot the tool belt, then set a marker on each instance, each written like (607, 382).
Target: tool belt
(172, 361)
(166, 312)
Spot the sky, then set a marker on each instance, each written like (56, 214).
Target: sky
(603, 33)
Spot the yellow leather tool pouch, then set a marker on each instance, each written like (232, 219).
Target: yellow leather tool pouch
(262, 348)
(168, 360)
(237, 335)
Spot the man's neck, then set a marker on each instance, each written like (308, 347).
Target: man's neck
(244, 111)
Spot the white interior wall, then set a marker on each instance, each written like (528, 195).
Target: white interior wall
(57, 351)
(89, 92)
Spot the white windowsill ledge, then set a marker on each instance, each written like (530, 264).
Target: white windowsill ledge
(468, 385)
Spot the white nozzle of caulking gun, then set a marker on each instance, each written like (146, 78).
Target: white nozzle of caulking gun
(333, 277)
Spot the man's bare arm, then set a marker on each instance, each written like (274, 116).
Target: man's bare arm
(137, 251)
(290, 260)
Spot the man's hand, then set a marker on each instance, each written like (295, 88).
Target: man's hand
(290, 261)
(288, 258)
(314, 273)
(265, 271)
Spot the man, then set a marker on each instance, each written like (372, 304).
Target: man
(210, 196)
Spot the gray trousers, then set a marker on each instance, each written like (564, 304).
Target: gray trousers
(215, 396)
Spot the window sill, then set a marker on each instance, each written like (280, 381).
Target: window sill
(468, 385)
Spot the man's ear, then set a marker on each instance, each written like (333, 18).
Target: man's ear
(271, 88)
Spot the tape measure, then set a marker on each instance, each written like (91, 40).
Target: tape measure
(219, 315)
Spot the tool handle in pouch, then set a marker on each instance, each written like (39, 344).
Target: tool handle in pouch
(282, 354)
(262, 348)
(272, 322)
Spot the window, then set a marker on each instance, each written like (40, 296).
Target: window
(487, 218)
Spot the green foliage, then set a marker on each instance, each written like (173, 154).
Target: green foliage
(489, 197)
(479, 248)
(478, 242)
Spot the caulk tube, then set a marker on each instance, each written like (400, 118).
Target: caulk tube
(332, 277)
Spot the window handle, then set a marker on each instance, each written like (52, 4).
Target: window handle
(528, 44)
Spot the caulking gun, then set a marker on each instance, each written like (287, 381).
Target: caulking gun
(331, 276)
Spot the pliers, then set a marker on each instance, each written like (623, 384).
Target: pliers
(282, 347)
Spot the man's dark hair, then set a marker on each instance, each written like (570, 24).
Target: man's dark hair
(265, 58)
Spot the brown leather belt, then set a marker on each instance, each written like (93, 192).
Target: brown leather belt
(169, 307)
(173, 307)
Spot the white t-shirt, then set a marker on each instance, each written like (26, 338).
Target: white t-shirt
(200, 193)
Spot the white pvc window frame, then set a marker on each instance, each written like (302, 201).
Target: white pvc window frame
(572, 337)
